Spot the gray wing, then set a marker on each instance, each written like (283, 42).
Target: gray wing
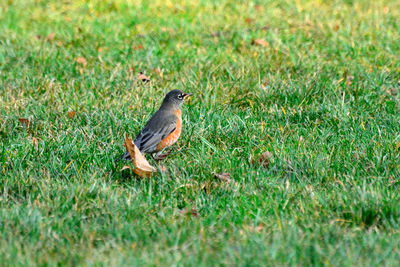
(158, 128)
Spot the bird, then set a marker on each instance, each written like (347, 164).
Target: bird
(164, 127)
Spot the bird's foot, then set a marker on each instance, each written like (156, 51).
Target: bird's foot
(160, 156)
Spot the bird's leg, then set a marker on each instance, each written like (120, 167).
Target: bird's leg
(159, 155)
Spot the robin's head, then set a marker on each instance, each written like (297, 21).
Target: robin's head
(175, 98)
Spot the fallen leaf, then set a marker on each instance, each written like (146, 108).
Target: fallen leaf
(224, 176)
(336, 27)
(265, 84)
(142, 166)
(249, 20)
(264, 159)
(265, 28)
(137, 47)
(143, 77)
(24, 121)
(50, 36)
(392, 91)
(215, 34)
(81, 60)
(349, 80)
(71, 114)
(126, 167)
(193, 212)
(260, 42)
(260, 228)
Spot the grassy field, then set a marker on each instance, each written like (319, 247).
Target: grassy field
(315, 83)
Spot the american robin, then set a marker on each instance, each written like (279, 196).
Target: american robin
(164, 127)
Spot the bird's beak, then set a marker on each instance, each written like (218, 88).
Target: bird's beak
(186, 95)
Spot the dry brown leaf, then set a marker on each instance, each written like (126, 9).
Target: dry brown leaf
(81, 60)
(126, 167)
(349, 80)
(265, 28)
(265, 84)
(193, 212)
(224, 176)
(260, 228)
(50, 36)
(137, 47)
(336, 27)
(392, 91)
(71, 114)
(249, 20)
(142, 166)
(215, 34)
(265, 159)
(260, 42)
(24, 121)
(185, 211)
(143, 77)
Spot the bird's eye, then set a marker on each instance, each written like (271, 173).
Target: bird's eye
(180, 96)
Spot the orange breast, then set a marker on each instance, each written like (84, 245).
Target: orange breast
(174, 136)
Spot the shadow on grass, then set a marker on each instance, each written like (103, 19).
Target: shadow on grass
(368, 215)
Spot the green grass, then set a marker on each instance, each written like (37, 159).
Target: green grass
(322, 96)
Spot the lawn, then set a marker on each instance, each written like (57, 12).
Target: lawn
(314, 83)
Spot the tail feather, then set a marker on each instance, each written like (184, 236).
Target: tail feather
(124, 156)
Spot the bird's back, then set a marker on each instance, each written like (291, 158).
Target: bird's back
(160, 126)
